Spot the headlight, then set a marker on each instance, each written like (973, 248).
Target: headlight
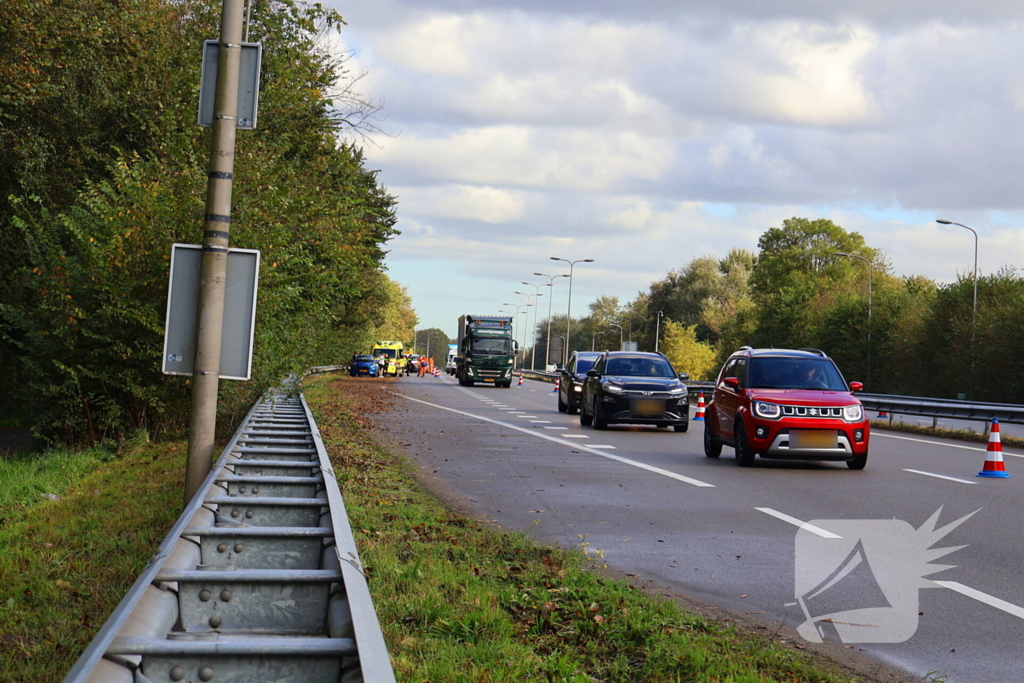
(469, 370)
(677, 390)
(614, 388)
(853, 413)
(769, 411)
(510, 361)
(577, 387)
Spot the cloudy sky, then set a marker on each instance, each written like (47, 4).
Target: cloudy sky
(641, 134)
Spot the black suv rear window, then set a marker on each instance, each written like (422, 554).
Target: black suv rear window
(794, 373)
(584, 364)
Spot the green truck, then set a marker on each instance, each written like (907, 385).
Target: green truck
(486, 352)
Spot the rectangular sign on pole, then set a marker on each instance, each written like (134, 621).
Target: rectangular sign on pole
(239, 312)
(248, 83)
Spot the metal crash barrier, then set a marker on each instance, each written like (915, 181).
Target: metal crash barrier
(259, 579)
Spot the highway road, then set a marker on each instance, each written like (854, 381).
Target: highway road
(649, 504)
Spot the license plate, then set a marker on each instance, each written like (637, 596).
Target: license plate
(813, 438)
(488, 380)
(647, 407)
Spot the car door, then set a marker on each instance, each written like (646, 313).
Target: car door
(590, 383)
(727, 399)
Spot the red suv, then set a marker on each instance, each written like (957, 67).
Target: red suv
(792, 405)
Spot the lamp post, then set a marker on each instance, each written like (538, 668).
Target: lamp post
(620, 333)
(568, 310)
(870, 277)
(517, 306)
(974, 306)
(551, 299)
(657, 329)
(533, 330)
(627, 320)
(429, 337)
(527, 314)
(528, 331)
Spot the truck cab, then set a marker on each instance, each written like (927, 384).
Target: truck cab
(486, 350)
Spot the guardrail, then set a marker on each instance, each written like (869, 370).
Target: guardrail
(258, 580)
(935, 408)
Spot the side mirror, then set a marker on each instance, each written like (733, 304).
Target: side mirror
(683, 376)
(856, 386)
(592, 373)
(732, 382)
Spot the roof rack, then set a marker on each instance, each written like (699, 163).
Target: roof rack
(817, 352)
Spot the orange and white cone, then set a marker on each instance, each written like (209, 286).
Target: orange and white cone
(994, 455)
(520, 381)
(699, 415)
(437, 372)
(558, 383)
(882, 414)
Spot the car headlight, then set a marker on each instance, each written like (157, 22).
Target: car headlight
(577, 387)
(769, 411)
(613, 388)
(677, 390)
(853, 413)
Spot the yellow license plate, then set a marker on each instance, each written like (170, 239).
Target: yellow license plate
(488, 380)
(813, 438)
(647, 407)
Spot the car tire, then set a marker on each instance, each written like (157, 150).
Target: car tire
(585, 420)
(744, 455)
(683, 427)
(562, 408)
(858, 462)
(599, 423)
(712, 446)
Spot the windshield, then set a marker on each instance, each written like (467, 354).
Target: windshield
(639, 367)
(492, 346)
(387, 353)
(583, 364)
(794, 373)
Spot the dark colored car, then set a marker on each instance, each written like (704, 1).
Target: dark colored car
(786, 404)
(362, 365)
(570, 383)
(629, 387)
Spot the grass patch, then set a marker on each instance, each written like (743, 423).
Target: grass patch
(938, 432)
(65, 564)
(462, 603)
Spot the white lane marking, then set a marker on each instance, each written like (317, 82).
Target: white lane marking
(541, 422)
(574, 436)
(556, 428)
(941, 443)
(527, 417)
(516, 412)
(602, 446)
(796, 522)
(1007, 607)
(553, 439)
(940, 476)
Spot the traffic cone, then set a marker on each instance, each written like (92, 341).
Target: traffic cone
(520, 381)
(699, 415)
(437, 372)
(882, 415)
(994, 455)
(558, 383)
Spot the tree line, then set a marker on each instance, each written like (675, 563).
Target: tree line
(103, 167)
(807, 286)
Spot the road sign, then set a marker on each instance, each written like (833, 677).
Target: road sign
(629, 346)
(248, 83)
(239, 312)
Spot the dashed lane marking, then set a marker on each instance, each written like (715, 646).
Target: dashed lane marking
(570, 444)
(940, 443)
(796, 522)
(941, 476)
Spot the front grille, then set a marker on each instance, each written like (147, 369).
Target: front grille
(812, 411)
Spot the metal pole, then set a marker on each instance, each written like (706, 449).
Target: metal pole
(551, 299)
(568, 310)
(214, 266)
(620, 333)
(657, 330)
(974, 305)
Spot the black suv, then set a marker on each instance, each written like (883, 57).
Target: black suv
(630, 387)
(570, 383)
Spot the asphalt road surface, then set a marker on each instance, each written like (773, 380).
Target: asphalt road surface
(649, 504)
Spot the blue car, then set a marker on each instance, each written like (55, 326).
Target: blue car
(362, 365)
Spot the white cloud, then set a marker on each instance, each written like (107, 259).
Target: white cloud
(466, 202)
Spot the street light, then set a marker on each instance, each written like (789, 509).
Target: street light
(627, 320)
(526, 323)
(974, 309)
(870, 271)
(620, 333)
(429, 337)
(657, 329)
(533, 330)
(551, 299)
(568, 310)
(517, 307)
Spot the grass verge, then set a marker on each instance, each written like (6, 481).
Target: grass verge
(938, 432)
(460, 602)
(66, 563)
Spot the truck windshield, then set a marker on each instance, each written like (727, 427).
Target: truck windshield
(493, 347)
